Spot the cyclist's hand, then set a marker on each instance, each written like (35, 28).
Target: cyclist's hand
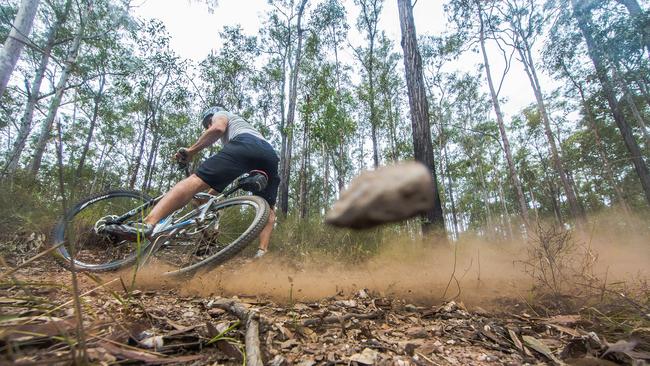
(182, 155)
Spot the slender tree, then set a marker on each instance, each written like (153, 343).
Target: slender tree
(17, 39)
(583, 18)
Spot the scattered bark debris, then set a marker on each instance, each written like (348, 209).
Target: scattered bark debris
(161, 327)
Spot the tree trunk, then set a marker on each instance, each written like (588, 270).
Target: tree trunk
(285, 164)
(138, 159)
(46, 127)
(151, 158)
(59, 161)
(13, 46)
(529, 67)
(451, 194)
(371, 28)
(523, 207)
(419, 106)
(34, 93)
(584, 23)
(608, 173)
(302, 202)
(91, 130)
(627, 96)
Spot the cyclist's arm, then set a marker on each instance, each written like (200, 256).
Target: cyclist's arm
(211, 135)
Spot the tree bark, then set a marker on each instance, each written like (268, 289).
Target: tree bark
(419, 106)
(302, 202)
(285, 164)
(514, 177)
(18, 37)
(584, 23)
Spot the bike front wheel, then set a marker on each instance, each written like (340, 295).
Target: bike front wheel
(229, 226)
(78, 236)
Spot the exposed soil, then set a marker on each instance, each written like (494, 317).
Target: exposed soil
(158, 322)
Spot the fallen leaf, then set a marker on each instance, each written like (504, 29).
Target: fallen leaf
(540, 347)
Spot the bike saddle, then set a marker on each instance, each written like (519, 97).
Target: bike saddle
(255, 181)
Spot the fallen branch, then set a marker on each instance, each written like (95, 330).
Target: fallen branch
(341, 319)
(250, 320)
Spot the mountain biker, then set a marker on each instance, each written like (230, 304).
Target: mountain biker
(244, 149)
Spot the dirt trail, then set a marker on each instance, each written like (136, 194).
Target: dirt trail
(396, 309)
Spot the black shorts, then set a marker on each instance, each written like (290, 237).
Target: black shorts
(240, 155)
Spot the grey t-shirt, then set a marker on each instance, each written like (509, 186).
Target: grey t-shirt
(236, 126)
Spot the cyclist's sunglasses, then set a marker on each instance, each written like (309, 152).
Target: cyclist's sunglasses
(207, 121)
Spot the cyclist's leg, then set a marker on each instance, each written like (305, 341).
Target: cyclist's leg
(265, 235)
(268, 161)
(176, 198)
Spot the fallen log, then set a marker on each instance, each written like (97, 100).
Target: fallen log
(250, 320)
(341, 319)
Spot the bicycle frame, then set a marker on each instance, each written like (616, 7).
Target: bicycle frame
(166, 225)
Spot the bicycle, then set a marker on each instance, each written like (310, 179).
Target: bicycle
(190, 239)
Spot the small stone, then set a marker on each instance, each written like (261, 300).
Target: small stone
(417, 332)
(410, 308)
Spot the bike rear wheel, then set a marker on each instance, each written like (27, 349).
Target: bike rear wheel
(229, 227)
(76, 233)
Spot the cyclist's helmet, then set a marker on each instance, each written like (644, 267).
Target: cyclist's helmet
(207, 115)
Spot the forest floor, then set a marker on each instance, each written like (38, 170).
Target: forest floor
(167, 324)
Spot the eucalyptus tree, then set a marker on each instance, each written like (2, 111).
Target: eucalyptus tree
(228, 74)
(70, 60)
(329, 20)
(525, 20)
(287, 145)
(282, 39)
(160, 70)
(422, 145)
(581, 13)
(18, 37)
(60, 15)
(367, 23)
(471, 18)
(389, 91)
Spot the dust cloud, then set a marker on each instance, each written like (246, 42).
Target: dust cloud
(472, 269)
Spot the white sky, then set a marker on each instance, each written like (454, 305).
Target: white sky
(194, 32)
